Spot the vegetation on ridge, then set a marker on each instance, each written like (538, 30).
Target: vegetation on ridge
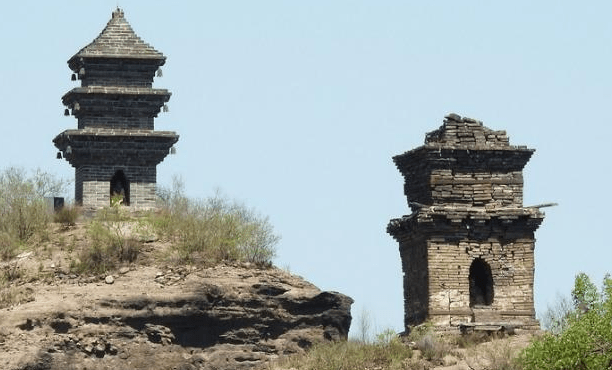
(23, 211)
(205, 231)
(213, 229)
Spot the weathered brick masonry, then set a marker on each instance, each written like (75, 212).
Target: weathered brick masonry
(467, 248)
(115, 149)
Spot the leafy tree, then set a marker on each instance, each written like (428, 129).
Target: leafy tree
(586, 341)
(584, 295)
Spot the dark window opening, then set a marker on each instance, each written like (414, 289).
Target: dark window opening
(481, 283)
(119, 189)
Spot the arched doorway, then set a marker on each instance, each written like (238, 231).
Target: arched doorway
(119, 189)
(481, 283)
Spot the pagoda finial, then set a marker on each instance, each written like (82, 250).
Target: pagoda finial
(118, 12)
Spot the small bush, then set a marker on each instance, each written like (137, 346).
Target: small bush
(11, 272)
(432, 348)
(23, 211)
(213, 230)
(113, 214)
(11, 293)
(67, 216)
(431, 344)
(129, 250)
(387, 353)
(8, 246)
(471, 340)
(495, 355)
(110, 245)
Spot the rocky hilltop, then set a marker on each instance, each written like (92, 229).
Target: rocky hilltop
(145, 317)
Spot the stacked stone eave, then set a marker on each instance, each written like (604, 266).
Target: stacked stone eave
(466, 224)
(117, 102)
(99, 146)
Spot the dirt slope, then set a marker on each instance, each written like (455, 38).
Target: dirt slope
(146, 316)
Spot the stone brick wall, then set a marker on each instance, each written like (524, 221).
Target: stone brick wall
(464, 176)
(92, 187)
(512, 267)
(143, 195)
(120, 122)
(488, 189)
(115, 146)
(113, 72)
(115, 106)
(416, 279)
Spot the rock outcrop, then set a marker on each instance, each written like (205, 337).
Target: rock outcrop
(227, 317)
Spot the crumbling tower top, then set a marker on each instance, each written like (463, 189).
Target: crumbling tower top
(467, 247)
(464, 163)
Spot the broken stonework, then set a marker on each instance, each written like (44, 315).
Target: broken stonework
(467, 247)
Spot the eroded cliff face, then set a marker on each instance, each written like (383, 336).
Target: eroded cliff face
(226, 317)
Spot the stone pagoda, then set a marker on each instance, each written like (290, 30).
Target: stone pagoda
(115, 149)
(467, 248)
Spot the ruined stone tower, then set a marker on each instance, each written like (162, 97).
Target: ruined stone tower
(467, 248)
(115, 149)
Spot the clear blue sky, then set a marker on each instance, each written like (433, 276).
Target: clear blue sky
(296, 108)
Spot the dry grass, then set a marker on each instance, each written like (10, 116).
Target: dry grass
(213, 230)
(8, 246)
(423, 348)
(67, 216)
(499, 354)
(206, 231)
(110, 242)
(10, 294)
(350, 355)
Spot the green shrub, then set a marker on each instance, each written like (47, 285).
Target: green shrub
(110, 244)
(214, 229)
(113, 215)
(23, 211)
(66, 216)
(586, 340)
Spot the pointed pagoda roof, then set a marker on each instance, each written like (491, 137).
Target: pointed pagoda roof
(117, 40)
